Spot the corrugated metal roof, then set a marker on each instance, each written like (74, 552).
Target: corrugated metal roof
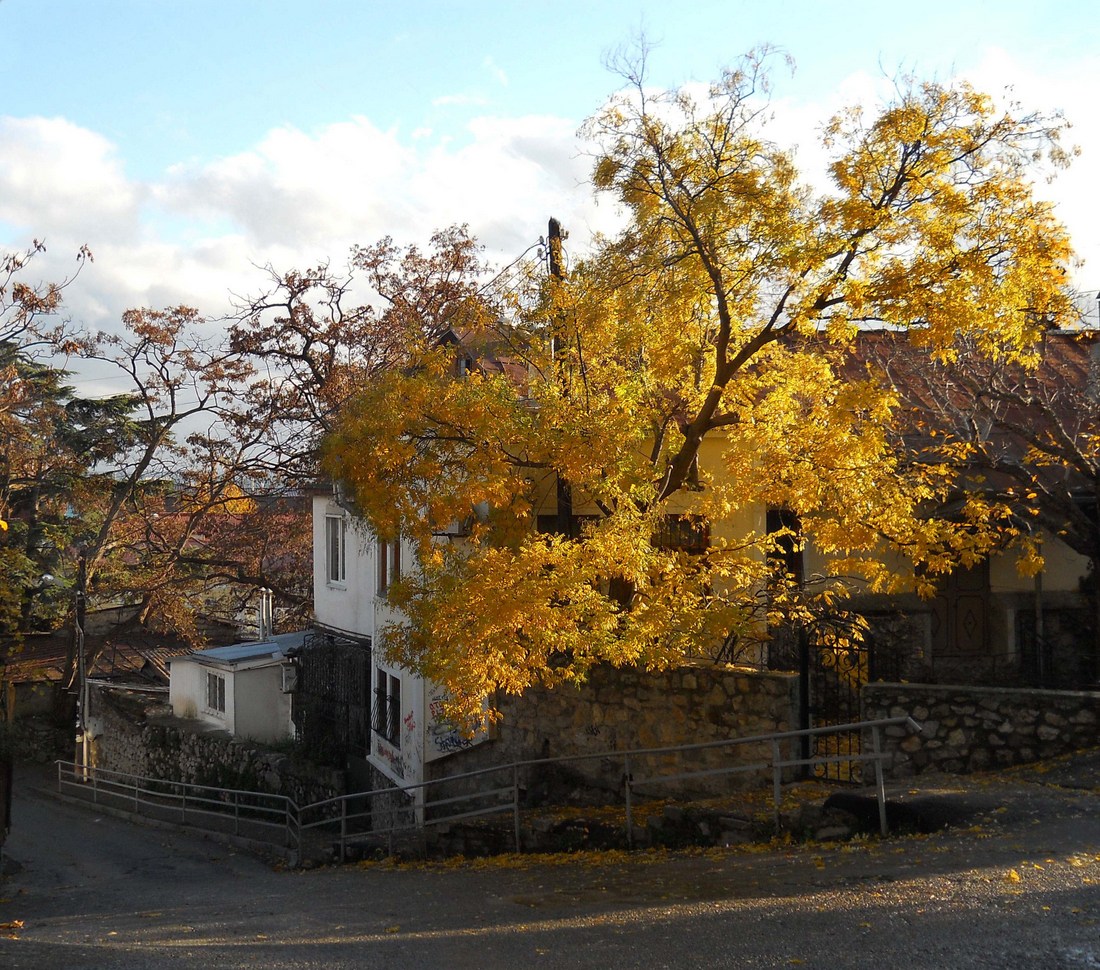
(236, 653)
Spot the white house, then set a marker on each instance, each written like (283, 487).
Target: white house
(352, 572)
(244, 689)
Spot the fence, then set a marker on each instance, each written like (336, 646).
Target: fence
(382, 816)
(254, 817)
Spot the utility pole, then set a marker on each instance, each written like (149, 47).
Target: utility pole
(564, 523)
(80, 607)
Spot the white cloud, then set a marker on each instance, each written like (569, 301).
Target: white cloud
(57, 174)
(296, 198)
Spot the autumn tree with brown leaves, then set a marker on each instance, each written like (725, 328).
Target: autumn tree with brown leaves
(317, 337)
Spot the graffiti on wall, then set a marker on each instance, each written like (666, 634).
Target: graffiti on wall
(443, 736)
(391, 756)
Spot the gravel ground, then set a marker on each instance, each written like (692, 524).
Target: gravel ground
(1014, 882)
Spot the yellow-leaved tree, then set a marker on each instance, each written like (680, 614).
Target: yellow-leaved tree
(610, 444)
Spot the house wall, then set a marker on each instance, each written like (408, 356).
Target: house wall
(357, 607)
(255, 706)
(621, 709)
(30, 699)
(349, 605)
(971, 728)
(1062, 571)
(187, 694)
(262, 710)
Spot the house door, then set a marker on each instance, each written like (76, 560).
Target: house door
(960, 616)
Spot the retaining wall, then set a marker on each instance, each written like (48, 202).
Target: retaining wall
(621, 708)
(971, 728)
(128, 739)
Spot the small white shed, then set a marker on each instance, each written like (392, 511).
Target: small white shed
(244, 689)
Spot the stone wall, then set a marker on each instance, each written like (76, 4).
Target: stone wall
(621, 709)
(972, 728)
(131, 738)
(39, 738)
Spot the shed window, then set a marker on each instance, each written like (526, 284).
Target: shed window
(215, 693)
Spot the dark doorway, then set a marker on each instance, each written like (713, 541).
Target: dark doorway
(960, 623)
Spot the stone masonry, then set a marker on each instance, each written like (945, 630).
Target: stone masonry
(133, 740)
(973, 728)
(625, 708)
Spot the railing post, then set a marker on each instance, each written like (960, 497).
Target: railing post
(777, 780)
(515, 804)
(392, 815)
(629, 807)
(880, 781)
(344, 828)
(236, 814)
(183, 806)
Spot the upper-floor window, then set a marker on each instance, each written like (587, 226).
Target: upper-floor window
(689, 533)
(335, 552)
(389, 563)
(786, 555)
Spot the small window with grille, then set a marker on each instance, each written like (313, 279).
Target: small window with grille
(387, 707)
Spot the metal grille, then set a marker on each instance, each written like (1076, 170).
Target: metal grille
(331, 708)
(832, 671)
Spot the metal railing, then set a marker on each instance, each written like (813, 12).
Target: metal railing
(256, 817)
(381, 816)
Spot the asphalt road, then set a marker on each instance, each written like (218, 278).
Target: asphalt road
(1015, 883)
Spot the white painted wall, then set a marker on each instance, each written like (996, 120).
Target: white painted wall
(346, 606)
(261, 709)
(356, 607)
(255, 706)
(187, 693)
(183, 688)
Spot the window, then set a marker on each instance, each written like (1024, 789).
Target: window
(335, 556)
(691, 533)
(387, 707)
(786, 556)
(215, 693)
(389, 564)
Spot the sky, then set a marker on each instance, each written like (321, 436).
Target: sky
(191, 143)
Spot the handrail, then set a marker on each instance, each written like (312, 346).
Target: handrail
(196, 802)
(187, 803)
(776, 764)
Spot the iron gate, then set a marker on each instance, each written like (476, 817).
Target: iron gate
(832, 669)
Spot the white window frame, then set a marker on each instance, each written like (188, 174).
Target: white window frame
(215, 693)
(336, 565)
